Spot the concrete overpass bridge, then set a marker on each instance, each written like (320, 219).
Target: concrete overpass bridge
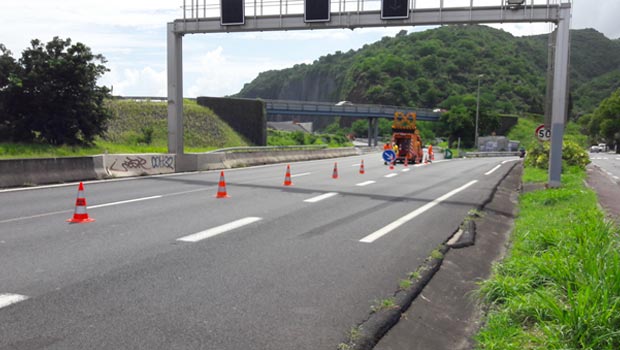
(346, 109)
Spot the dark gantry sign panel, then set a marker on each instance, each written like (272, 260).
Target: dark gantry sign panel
(394, 9)
(233, 12)
(316, 10)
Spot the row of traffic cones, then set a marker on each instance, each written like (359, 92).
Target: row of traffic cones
(80, 214)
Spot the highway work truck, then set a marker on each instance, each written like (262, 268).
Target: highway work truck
(406, 136)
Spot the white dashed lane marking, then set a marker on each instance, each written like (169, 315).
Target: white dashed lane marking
(396, 224)
(321, 197)
(196, 237)
(366, 183)
(10, 299)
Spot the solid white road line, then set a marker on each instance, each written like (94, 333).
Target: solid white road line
(396, 224)
(391, 175)
(510, 160)
(196, 237)
(123, 202)
(10, 299)
(366, 183)
(321, 197)
(89, 207)
(302, 174)
(493, 170)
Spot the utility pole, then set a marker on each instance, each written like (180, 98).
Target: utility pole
(477, 112)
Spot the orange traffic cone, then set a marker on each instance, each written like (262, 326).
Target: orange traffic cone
(287, 177)
(392, 164)
(362, 167)
(221, 190)
(335, 173)
(406, 162)
(80, 215)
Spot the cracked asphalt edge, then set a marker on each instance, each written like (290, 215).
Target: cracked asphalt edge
(369, 332)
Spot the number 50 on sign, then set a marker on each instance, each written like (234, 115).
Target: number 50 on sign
(542, 133)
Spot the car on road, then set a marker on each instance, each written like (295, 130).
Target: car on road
(601, 147)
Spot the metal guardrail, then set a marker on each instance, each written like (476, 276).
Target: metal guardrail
(269, 148)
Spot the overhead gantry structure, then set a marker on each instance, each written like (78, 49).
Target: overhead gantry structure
(237, 16)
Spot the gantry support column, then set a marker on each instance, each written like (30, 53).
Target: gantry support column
(560, 86)
(175, 91)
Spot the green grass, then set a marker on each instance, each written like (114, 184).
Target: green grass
(384, 304)
(559, 286)
(524, 132)
(288, 138)
(141, 127)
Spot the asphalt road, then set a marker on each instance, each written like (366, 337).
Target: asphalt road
(166, 265)
(609, 163)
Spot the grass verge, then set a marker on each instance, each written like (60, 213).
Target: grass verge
(559, 286)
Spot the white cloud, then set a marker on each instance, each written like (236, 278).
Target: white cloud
(132, 36)
(216, 74)
(135, 82)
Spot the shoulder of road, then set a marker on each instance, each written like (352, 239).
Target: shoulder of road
(445, 315)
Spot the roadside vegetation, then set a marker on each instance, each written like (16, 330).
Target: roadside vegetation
(559, 286)
(288, 138)
(139, 127)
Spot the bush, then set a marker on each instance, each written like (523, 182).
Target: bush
(572, 154)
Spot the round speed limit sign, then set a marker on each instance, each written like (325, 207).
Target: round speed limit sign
(542, 133)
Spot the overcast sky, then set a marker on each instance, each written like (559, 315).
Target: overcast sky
(131, 34)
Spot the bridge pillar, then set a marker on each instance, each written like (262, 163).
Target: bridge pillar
(175, 91)
(559, 90)
(373, 127)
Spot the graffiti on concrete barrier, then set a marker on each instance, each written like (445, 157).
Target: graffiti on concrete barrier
(140, 164)
(162, 162)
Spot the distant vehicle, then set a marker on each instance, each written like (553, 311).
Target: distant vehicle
(602, 147)
(344, 103)
(595, 149)
(515, 4)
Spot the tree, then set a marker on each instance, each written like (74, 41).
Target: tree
(607, 115)
(9, 72)
(54, 94)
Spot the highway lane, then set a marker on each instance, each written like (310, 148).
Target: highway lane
(297, 277)
(609, 163)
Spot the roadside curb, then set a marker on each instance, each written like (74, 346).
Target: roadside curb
(380, 322)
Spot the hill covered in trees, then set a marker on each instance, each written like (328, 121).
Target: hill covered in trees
(440, 68)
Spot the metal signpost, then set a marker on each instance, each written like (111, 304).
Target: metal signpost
(235, 16)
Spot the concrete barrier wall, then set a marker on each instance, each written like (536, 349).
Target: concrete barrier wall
(121, 165)
(28, 172)
(241, 159)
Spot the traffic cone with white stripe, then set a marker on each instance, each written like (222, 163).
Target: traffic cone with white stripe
(80, 215)
(335, 173)
(362, 167)
(221, 190)
(287, 177)
(392, 164)
(406, 162)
